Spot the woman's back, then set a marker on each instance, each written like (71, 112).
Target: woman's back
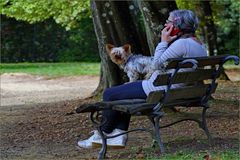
(183, 47)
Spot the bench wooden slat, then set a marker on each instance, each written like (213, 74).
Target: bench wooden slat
(184, 102)
(134, 108)
(185, 77)
(189, 92)
(202, 61)
(180, 93)
(107, 105)
(147, 107)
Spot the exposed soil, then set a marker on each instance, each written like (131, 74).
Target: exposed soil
(24, 89)
(31, 130)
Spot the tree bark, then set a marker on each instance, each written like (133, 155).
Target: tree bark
(115, 22)
(155, 14)
(210, 29)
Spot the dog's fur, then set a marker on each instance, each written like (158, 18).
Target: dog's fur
(133, 65)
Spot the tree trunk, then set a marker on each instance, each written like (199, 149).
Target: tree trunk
(210, 29)
(155, 14)
(115, 22)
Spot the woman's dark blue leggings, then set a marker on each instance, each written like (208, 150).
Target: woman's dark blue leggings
(116, 119)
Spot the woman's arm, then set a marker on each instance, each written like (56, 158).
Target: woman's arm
(176, 50)
(163, 52)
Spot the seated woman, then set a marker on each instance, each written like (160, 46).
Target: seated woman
(177, 40)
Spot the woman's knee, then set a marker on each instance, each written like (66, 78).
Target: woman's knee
(107, 94)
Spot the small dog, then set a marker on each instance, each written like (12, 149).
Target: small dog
(133, 65)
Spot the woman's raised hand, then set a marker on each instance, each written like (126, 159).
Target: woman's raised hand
(165, 37)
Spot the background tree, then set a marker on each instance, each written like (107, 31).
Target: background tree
(72, 38)
(209, 27)
(154, 15)
(117, 22)
(113, 22)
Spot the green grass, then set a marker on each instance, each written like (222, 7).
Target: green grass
(230, 65)
(187, 155)
(52, 69)
(59, 69)
(228, 155)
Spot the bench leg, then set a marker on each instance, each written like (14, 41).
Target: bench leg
(98, 122)
(103, 150)
(154, 142)
(204, 123)
(157, 133)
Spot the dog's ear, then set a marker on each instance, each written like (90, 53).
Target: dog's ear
(127, 48)
(109, 47)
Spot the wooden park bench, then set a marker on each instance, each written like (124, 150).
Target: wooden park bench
(200, 84)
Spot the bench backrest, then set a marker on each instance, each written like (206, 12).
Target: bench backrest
(200, 82)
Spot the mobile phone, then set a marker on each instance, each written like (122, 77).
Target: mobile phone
(175, 31)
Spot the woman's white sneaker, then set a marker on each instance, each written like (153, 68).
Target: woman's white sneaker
(117, 142)
(88, 143)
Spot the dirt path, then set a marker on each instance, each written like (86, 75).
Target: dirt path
(31, 106)
(25, 89)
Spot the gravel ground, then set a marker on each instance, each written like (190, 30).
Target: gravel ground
(24, 89)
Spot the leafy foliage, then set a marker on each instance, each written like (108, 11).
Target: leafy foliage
(47, 42)
(65, 12)
(227, 19)
(44, 40)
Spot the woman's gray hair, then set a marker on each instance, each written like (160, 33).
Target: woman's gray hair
(185, 20)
